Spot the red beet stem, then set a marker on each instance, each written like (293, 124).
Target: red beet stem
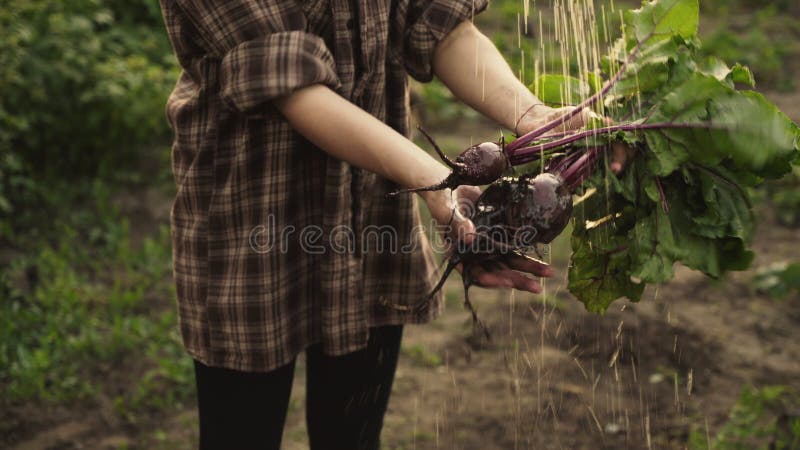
(576, 173)
(526, 139)
(532, 153)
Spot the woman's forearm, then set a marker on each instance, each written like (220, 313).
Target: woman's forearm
(470, 65)
(347, 132)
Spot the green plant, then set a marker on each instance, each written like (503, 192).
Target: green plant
(422, 356)
(763, 418)
(778, 280)
(82, 84)
(784, 197)
(72, 311)
(761, 42)
(16, 188)
(438, 105)
(700, 141)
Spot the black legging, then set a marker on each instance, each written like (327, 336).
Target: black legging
(346, 398)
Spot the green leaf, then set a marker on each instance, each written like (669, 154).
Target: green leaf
(598, 277)
(730, 215)
(560, 90)
(657, 20)
(655, 71)
(717, 68)
(721, 123)
(742, 74)
(648, 71)
(601, 254)
(654, 248)
(595, 82)
(711, 220)
(712, 256)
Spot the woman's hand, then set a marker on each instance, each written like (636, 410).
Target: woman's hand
(539, 115)
(451, 207)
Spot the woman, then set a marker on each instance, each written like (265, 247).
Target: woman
(290, 122)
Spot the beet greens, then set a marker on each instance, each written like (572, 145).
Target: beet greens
(700, 144)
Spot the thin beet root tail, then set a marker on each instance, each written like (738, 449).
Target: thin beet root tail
(477, 165)
(451, 264)
(476, 322)
(423, 304)
(450, 163)
(451, 182)
(447, 183)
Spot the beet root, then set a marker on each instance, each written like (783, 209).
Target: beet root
(524, 212)
(478, 165)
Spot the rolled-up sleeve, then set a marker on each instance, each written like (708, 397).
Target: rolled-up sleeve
(430, 22)
(260, 70)
(264, 49)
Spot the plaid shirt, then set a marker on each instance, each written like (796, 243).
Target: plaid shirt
(276, 244)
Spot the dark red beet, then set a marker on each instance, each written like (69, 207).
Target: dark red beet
(482, 164)
(478, 165)
(530, 211)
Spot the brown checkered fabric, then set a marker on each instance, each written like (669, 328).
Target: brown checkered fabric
(267, 229)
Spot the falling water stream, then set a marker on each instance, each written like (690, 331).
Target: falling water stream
(595, 386)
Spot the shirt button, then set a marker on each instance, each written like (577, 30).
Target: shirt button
(351, 23)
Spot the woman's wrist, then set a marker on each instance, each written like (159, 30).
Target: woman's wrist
(534, 116)
(429, 175)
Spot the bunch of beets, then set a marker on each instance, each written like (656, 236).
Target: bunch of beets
(699, 143)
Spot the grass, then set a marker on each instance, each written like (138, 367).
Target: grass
(421, 356)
